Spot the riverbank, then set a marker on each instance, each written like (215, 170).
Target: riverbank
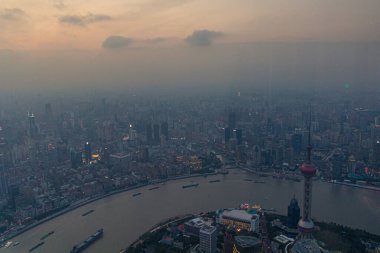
(331, 236)
(267, 174)
(124, 218)
(372, 188)
(86, 201)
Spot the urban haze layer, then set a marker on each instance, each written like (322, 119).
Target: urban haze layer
(59, 153)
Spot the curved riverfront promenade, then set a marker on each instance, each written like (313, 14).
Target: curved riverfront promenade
(124, 217)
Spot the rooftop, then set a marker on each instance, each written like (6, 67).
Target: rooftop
(208, 229)
(239, 214)
(247, 241)
(197, 222)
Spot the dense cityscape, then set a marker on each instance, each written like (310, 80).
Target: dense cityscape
(185, 126)
(59, 155)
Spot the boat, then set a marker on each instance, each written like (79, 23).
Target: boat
(153, 188)
(36, 246)
(46, 235)
(247, 179)
(8, 244)
(136, 194)
(86, 243)
(214, 181)
(15, 244)
(260, 182)
(189, 185)
(88, 212)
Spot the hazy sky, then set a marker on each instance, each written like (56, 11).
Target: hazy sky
(51, 43)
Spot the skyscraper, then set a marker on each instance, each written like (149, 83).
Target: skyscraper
(32, 125)
(87, 152)
(165, 130)
(207, 239)
(293, 213)
(156, 133)
(375, 149)
(232, 120)
(149, 133)
(239, 136)
(227, 135)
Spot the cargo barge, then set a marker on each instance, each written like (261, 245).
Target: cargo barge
(90, 240)
(36, 246)
(190, 185)
(47, 235)
(88, 212)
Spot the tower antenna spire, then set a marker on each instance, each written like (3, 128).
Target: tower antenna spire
(309, 147)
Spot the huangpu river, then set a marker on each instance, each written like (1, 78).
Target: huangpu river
(125, 217)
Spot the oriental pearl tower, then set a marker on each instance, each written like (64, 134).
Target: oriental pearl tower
(306, 225)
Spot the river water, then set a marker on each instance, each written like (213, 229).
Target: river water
(124, 217)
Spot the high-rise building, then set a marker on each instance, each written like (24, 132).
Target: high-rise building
(232, 120)
(375, 138)
(239, 136)
(3, 181)
(165, 130)
(48, 113)
(87, 152)
(32, 125)
(75, 158)
(207, 239)
(297, 143)
(293, 213)
(156, 133)
(377, 121)
(149, 135)
(227, 135)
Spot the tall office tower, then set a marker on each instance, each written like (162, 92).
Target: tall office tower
(132, 133)
(165, 130)
(232, 120)
(75, 158)
(208, 238)
(227, 135)
(377, 121)
(239, 136)
(156, 133)
(293, 213)
(32, 125)
(149, 135)
(48, 112)
(87, 152)
(306, 225)
(297, 143)
(3, 181)
(375, 139)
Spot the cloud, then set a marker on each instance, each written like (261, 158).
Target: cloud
(59, 4)
(84, 20)
(116, 42)
(12, 14)
(202, 37)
